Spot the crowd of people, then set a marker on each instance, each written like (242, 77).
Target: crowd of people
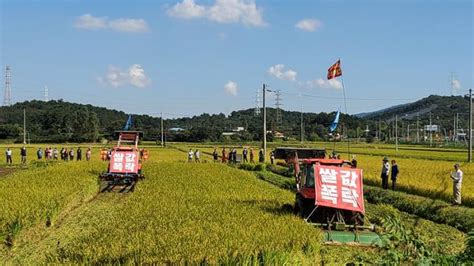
(231, 155)
(49, 153)
(64, 154)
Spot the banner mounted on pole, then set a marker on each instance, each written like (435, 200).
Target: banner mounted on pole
(339, 188)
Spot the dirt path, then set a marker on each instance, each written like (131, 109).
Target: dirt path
(6, 171)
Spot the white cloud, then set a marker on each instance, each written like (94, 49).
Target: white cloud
(89, 22)
(325, 84)
(187, 10)
(134, 75)
(278, 71)
(129, 25)
(309, 25)
(231, 88)
(222, 11)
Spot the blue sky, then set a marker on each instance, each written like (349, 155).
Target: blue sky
(189, 57)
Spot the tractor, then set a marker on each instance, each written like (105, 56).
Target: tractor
(125, 164)
(329, 195)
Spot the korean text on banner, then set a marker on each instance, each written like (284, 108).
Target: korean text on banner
(124, 162)
(339, 188)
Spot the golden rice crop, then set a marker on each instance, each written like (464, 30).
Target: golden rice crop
(181, 212)
(184, 212)
(426, 177)
(423, 177)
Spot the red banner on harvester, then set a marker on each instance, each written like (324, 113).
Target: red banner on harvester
(124, 162)
(339, 188)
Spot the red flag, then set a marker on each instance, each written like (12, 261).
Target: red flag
(335, 70)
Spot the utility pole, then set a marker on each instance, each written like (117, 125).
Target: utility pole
(431, 132)
(408, 133)
(162, 134)
(457, 125)
(454, 131)
(264, 124)
(396, 132)
(469, 158)
(302, 128)
(418, 128)
(24, 126)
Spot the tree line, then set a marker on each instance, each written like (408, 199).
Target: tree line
(60, 121)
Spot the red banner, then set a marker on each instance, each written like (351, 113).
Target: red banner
(124, 162)
(339, 188)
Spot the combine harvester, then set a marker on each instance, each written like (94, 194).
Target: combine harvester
(329, 195)
(125, 167)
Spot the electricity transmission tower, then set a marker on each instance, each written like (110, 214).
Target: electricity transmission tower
(46, 95)
(278, 105)
(453, 82)
(7, 92)
(257, 103)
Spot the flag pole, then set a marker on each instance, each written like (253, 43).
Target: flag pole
(347, 129)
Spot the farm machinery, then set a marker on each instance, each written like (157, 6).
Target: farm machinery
(125, 164)
(329, 195)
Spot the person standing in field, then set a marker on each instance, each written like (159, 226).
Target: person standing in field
(71, 154)
(64, 154)
(215, 156)
(354, 161)
(385, 172)
(244, 155)
(39, 153)
(231, 155)
(79, 154)
(23, 155)
(224, 155)
(261, 157)
(197, 156)
(456, 176)
(190, 156)
(234, 155)
(55, 153)
(394, 173)
(8, 154)
(88, 154)
(251, 156)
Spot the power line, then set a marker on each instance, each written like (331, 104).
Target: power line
(351, 98)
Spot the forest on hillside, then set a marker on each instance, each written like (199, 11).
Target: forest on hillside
(60, 121)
